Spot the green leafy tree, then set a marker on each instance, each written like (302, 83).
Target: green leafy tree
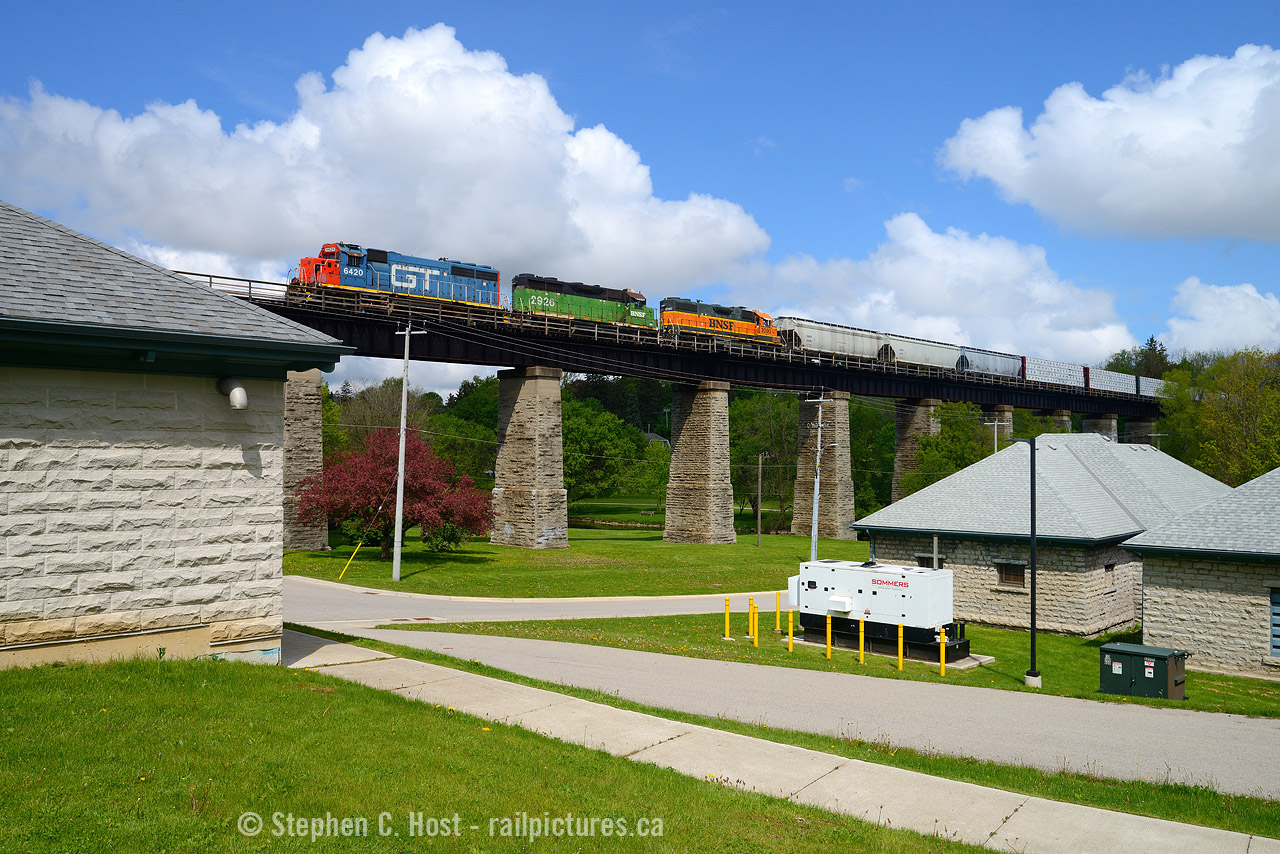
(599, 449)
(654, 472)
(1240, 417)
(1149, 360)
(960, 442)
(1028, 425)
(638, 401)
(872, 434)
(760, 422)
(476, 400)
(1180, 415)
(375, 408)
(471, 448)
(332, 434)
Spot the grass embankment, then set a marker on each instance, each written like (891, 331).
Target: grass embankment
(597, 563)
(639, 510)
(152, 756)
(1069, 664)
(1174, 802)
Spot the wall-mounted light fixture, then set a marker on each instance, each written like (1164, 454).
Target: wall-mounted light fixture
(234, 389)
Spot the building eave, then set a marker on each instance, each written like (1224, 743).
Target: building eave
(72, 346)
(997, 537)
(1215, 554)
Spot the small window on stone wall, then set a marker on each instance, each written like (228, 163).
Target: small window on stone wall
(1109, 578)
(1011, 574)
(926, 561)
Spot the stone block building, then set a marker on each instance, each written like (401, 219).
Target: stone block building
(1092, 495)
(1211, 581)
(141, 455)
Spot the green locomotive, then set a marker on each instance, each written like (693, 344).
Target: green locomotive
(546, 295)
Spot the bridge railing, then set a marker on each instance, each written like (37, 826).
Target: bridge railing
(236, 286)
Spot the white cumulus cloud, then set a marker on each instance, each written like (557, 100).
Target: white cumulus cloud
(1191, 153)
(419, 145)
(1223, 317)
(952, 286)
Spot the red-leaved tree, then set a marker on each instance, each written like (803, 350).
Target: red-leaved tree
(357, 491)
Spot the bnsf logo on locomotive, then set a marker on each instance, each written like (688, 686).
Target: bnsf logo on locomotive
(717, 323)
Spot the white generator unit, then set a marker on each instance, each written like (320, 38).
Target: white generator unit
(881, 597)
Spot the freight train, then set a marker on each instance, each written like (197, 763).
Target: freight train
(346, 265)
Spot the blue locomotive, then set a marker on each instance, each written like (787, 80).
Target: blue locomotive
(345, 265)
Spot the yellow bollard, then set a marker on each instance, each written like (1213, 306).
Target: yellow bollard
(943, 654)
(828, 635)
(777, 613)
(899, 646)
(727, 636)
(862, 630)
(755, 625)
(790, 617)
(751, 607)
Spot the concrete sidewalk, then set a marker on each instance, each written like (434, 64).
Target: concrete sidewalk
(892, 797)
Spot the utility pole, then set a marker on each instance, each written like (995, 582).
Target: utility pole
(759, 492)
(995, 434)
(404, 413)
(817, 480)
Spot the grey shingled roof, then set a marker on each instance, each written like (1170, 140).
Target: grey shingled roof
(53, 274)
(1245, 523)
(1087, 489)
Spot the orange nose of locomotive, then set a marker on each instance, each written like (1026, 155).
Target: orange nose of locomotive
(324, 270)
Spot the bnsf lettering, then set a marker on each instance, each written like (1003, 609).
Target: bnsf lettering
(887, 583)
(717, 323)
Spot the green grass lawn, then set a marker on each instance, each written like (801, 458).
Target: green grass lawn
(1069, 664)
(641, 510)
(166, 756)
(610, 562)
(1190, 804)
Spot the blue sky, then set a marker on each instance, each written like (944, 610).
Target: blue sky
(857, 163)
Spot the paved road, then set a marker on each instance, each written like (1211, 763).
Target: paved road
(314, 602)
(1229, 753)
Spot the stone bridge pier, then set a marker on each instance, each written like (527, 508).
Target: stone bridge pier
(1138, 431)
(530, 505)
(915, 419)
(699, 492)
(303, 456)
(835, 497)
(1060, 418)
(1105, 424)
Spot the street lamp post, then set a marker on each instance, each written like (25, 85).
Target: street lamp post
(1032, 678)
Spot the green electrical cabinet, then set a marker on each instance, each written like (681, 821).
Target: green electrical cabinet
(1143, 671)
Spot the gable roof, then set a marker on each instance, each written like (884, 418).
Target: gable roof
(1243, 524)
(60, 289)
(1088, 490)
